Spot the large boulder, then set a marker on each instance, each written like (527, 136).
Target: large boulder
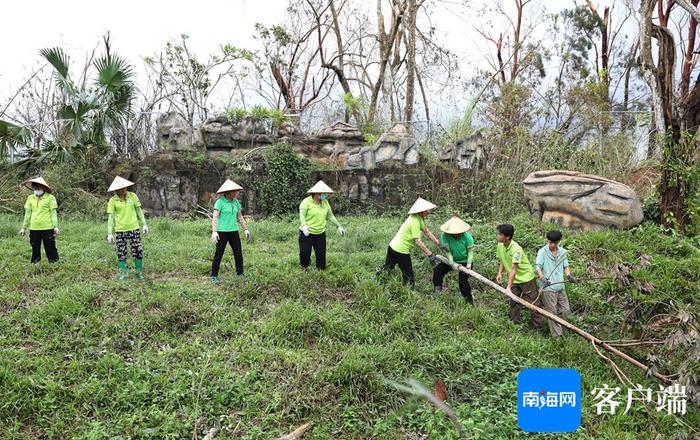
(174, 132)
(467, 152)
(395, 147)
(581, 201)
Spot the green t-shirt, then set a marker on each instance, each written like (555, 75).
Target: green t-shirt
(124, 211)
(515, 254)
(461, 248)
(316, 215)
(41, 211)
(405, 238)
(228, 214)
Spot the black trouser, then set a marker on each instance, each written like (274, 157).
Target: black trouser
(234, 240)
(404, 261)
(318, 243)
(442, 269)
(46, 236)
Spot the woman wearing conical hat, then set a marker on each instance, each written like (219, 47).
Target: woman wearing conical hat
(225, 226)
(125, 220)
(314, 213)
(459, 244)
(41, 219)
(408, 237)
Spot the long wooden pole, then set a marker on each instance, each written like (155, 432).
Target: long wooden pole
(477, 276)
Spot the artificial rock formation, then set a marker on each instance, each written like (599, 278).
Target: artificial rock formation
(581, 201)
(395, 147)
(174, 132)
(467, 152)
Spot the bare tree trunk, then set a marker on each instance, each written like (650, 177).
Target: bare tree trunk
(410, 60)
(386, 42)
(604, 28)
(689, 53)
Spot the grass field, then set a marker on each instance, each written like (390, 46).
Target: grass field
(83, 355)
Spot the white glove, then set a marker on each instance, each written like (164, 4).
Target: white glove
(305, 230)
(341, 231)
(247, 234)
(110, 238)
(145, 229)
(56, 231)
(21, 232)
(469, 266)
(215, 237)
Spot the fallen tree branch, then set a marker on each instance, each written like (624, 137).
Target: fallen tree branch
(297, 433)
(594, 340)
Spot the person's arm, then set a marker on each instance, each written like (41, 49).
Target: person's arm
(331, 217)
(139, 214)
(470, 256)
(302, 214)
(430, 236)
(499, 276)
(241, 220)
(423, 247)
(54, 218)
(214, 220)
(539, 263)
(27, 217)
(511, 275)
(110, 223)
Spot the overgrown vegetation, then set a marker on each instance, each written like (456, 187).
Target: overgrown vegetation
(85, 356)
(287, 180)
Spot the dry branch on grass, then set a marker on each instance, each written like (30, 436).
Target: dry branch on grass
(592, 339)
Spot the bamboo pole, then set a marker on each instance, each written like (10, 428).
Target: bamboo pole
(553, 317)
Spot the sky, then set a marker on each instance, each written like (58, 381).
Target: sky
(141, 28)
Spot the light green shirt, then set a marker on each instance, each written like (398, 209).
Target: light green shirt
(515, 254)
(461, 248)
(125, 212)
(40, 212)
(405, 238)
(228, 214)
(316, 215)
(553, 267)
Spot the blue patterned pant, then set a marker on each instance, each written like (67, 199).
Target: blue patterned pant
(134, 237)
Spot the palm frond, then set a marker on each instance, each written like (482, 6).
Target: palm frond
(12, 136)
(113, 72)
(58, 59)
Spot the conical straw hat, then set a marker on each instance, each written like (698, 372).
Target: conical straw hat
(320, 188)
(229, 185)
(421, 205)
(40, 181)
(455, 225)
(119, 183)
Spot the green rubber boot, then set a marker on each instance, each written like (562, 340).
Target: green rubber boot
(123, 274)
(138, 264)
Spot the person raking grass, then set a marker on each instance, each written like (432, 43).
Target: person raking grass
(459, 245)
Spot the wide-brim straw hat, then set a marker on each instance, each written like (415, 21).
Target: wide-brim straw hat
(421, 205)
(455, 225)
(320, 188)
(229, 185)
(119, 183)
(40, 180)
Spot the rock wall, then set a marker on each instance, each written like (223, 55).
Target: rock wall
(170, 185)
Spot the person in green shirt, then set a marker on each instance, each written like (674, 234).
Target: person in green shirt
(314, 213)
(41, 219)
(224, 227)
(125, 219)
(521, 276)
(407, 238)
(459, 245)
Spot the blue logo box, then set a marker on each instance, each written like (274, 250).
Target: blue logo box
(549, 400)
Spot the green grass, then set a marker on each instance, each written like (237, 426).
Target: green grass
(83, 355)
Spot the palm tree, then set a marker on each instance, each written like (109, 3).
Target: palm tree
(12, 136)
(88, 111)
